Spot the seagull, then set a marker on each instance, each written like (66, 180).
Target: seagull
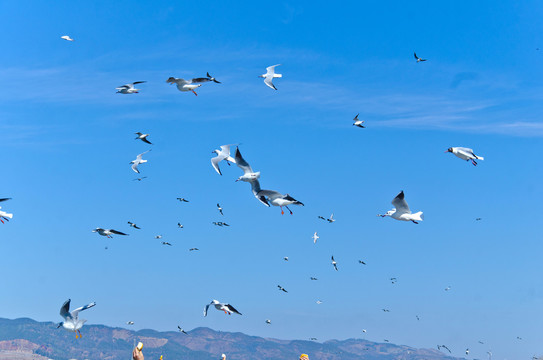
(393, 280)
(268, 321)
(142, 137)
(447, 288)
(138, 161)
(140, 179)
(444, 347)
(227, 308)
(107, 232)
(285, 258)
(385, 310)
(358, 122)
(386, 340)
(361, 262)
(467, 351)
(71, 320)
(321, 217)
(364, 330)
(282, 288)
(334, 263)
(480, 342)
(181, 330)
(66, 37)
(220, 209)
(401, 210)
(166, 243)
(266, 197)
(194, 249)
(331, 219)
(519, 338)
(182, 200)
(418, 58)
(222, 154)
(478, 219)
(158, 236)
(189, 85)
(417, 317)
(465, 154)
(220, 223)
(313, 278)
(270, 75)
(5, 216)
(179, 225)
(128, 88)
(315, 237)
(313, 339)
(129, 323)
(319, 302)
(133, 225)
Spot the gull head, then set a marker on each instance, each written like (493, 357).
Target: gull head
(449, 150)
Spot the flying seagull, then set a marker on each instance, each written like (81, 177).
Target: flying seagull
(282, 288)
(467, 351)
(222, 154)
(158, 237)
(107, 232)
(166, 243)
(67, 38)
(334, 263)
(182, 200)
(129, 323)
(194, 249)
(330, 219)
(418, 58)
(315, 237)
(285, 258)
(358, 122)
(129, 88)
(179, 225)
(139, 160)
(227, 308)
(142, 137)
(465, 154)
(71, 320)
(270, 75)
(393, 280)
(385, 310)
(181, 330)
(220, 209)
(5, 216)
(439, 347)
(313, 278)
(140, 179)
(189, 85)
(268, 321)
(447, 288)
(319, 302)
(133, 225)
(401, 210)
(361, 262)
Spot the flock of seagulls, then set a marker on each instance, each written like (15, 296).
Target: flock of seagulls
(401, 210)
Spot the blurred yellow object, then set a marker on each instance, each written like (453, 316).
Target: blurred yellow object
(160, 357)
(304, 357)
(140, 346)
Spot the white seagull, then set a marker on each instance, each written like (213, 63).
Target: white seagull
(138, 161)
(66, 37)
(268, 321)
(465, 154)
(71, 321)
(190, 85)
(270, 75)
(129, 88)
(227, 308)
(418, 58)
(315, 237)
(334, 263)
(4, 216)
(401, 210)
(358, 122)
(107, 232)
(222, 154)
(142, 137)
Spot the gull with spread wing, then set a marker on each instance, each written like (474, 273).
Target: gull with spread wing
(401, 210)
(270, 75)
(71, 319)
(227, 308)
(222, 154)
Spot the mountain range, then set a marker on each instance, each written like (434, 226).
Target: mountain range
(26, 339)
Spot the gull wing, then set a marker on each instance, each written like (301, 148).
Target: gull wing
(466, 150)
(5, 199)
(199, 80)
(270, 70)
(146, 141)
(117, 232)
(75, 313)
(400, 204)
(240, 161)
(416, 57)
(356, 117)
(177, 81)
(255, 186)
(135, 167)
(270, 194)
(268, 81)
(215, 162)
(206, 308)
(232, 309)
(225, 149)
(65, 310)
(127, 86)
(138, 82)
(140, 156)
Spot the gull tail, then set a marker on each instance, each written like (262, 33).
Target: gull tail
(418, 216)
(7, 215)
(277, 75)
(479, 157)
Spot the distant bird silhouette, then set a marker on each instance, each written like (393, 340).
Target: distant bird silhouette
(418, 58)
(282, 288)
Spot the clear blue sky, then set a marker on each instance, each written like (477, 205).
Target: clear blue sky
(67, 140)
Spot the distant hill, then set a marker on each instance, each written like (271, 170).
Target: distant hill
(26, 339)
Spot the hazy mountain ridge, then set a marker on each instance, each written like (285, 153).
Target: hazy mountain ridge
(28, 339)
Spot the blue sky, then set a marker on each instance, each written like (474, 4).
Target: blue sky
(68, 139)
